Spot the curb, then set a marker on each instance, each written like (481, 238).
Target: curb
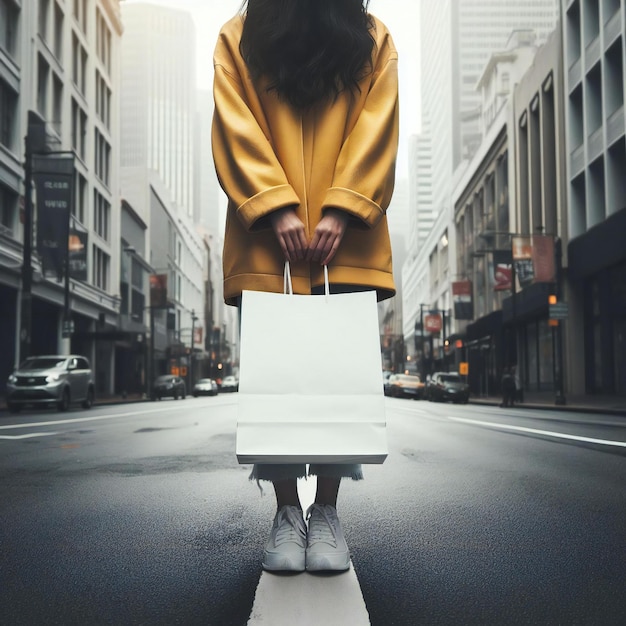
(573, 408)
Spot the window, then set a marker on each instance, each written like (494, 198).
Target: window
(80, 14)
(102, 157)
(103, 41)
(8, 111)
(57, 103)
(101, 215)
(44, 9)
(79, 64)
(79, 129)
(103, 100)
(8, 204)
(58, 31)
(8, 27)
(100, 264)
(43, 75)
(81, 198)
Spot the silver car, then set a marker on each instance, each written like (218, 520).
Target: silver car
(57, 380)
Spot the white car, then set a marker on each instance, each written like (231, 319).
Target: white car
(205, 387)
(230, 383)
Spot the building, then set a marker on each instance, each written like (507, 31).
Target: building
(457, 39)
(59, 69)
(594, 39)
(158, 114)
(513, 190)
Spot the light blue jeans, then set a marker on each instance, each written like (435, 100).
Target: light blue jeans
(285, 471)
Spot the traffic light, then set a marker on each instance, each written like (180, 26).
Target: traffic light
(552, 299)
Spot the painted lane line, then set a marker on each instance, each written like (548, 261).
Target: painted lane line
(309, 600)
(82, 419)
(535, 431)
(28, 436)
(306, 599)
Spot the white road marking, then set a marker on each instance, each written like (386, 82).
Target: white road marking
(28, 436)
(82, 419)
(309, 600)
(535, 431)
(305, 599)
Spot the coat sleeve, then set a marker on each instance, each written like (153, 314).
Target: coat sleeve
(365, 171)
(246, 166)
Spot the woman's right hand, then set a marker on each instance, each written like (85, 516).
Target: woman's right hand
(290, 232)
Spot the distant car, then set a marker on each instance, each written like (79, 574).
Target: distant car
(229, 384)
(405, 386)
(169, 386)
(205, 387)
(447, 386)
(51, 380)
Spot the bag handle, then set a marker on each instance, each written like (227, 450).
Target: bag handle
(288, 284)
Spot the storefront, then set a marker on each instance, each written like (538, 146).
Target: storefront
(597, 264)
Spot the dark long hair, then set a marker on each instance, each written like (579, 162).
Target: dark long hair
(310, 50)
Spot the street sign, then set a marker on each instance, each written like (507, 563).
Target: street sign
(559, 311)
(68, 328)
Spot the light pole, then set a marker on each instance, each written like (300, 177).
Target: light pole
(194, 319)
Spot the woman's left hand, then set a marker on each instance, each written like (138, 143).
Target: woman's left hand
(327, 236)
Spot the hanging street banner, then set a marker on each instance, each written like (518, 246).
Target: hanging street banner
(502, 270)
(54, 182)
(462, 298)
(78, 244)
(433, 323)
(158, 291)
(544, 265)
(522, 250)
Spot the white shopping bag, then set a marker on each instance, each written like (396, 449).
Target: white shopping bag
(310, 379)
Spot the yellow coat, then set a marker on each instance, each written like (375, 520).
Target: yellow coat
(340, 154)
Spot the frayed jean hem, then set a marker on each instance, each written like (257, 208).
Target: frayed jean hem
(276, 471)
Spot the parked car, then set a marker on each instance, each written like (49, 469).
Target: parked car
(51, 380)
(205, 387)
(230, 383)
(405, 386)
(447, 386)
(169, 386)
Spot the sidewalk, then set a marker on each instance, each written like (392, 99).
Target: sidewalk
(100, 401)
(608, 405)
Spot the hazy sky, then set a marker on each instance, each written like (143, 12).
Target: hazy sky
(400, 16)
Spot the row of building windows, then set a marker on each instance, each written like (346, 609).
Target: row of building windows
(583, 23)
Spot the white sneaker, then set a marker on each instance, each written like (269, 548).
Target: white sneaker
(326, 546)
(285, 549)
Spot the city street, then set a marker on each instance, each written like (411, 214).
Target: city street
(139, 514)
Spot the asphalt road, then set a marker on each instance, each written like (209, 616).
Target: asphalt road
(140, 514)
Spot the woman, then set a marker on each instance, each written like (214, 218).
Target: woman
(305, 136)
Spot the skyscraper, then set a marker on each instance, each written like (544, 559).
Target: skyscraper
(158, 96)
